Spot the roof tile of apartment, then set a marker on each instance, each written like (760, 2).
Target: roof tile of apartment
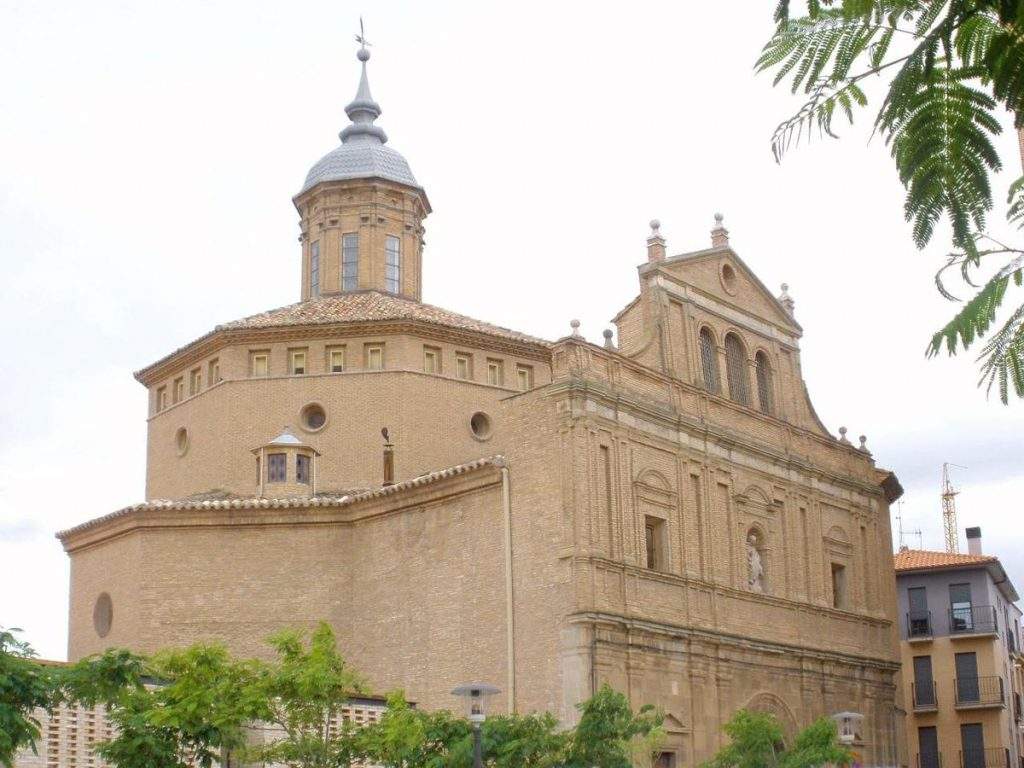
(922, 559)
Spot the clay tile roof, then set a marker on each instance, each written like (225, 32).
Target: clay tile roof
(920, 559)
(364, 306)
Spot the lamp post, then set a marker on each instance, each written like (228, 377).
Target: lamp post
(476, 695)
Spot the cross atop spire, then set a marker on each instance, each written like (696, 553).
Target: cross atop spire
(363, 110)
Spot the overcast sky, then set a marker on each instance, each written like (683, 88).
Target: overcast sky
(149, 152)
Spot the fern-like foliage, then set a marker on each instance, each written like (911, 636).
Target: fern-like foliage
(953, 66)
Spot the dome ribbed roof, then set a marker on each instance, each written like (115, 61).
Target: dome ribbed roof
(362, 154)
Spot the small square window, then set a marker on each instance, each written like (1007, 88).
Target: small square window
(214, 372)
(259, 363)
(464, 365)
(374, 357)
(161, 398)
(179, 389)
(277, 467)
(524, 377)
(495, 372)
(336, 359)
(302, 473)
(195, 381)
(297, 361)
(431, 360)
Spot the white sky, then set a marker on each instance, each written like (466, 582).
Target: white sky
(149, 151)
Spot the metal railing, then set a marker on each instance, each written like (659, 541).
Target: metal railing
(975, 619)
(997, 757)
(979, 691)
(919, 624)
(924, 696)
(929, 761)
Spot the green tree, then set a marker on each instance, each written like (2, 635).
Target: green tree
(25, 685)
(950, 68)
(756, 741)
(405, 737)
(609, 731)
(303, 693)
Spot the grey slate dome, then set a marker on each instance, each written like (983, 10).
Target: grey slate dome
(362, 154)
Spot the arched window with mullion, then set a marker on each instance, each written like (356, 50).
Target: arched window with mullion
(736, 369)
(763, 372)
(709, 361)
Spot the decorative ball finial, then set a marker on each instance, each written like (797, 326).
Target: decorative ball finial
(363, 54)
(655, 226)
(719, 218)
(864, 443)
(575, 325)
(785, 287)
(607, 333)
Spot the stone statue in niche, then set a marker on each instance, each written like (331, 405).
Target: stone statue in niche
(755, 566)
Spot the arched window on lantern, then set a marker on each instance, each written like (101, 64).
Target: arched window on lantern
(763, 373)
(709, 361)
(736, 369)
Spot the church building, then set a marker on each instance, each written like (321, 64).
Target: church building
(461, 501)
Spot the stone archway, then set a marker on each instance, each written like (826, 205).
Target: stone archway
(771, 704)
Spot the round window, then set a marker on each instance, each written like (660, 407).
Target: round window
(729, 278)
(313, 417)
(103, 615)
(480, 424)
(181, 440)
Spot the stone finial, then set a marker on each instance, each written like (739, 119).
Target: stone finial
(608, 343)
(863, 444)
(655, 243)
(842, 436)
(786, 300)
(719, 235)
(575, 325)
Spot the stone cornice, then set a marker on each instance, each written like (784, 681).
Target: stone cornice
(340, 510)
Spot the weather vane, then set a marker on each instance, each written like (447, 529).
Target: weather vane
(361, 37)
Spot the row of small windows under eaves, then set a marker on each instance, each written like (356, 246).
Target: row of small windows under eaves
(737, 371)
(349, 277)
(465, 368)
(199, 377)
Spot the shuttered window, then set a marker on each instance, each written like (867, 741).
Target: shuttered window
(709, 361)
(764, 382)
(736, 369)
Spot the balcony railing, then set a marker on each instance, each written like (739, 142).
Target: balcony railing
(933, 760)
(978, 619)
(997, 757)
(979, 692)
(919, 624)
(924, 696)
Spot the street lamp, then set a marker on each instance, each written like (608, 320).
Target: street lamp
(476, 695)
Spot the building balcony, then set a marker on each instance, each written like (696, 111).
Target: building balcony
(923, 696)
(997, 757)
(979, 692)
(973, 621)
(933, 760)
(919, 626)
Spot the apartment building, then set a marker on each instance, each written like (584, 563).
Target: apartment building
(962, 658)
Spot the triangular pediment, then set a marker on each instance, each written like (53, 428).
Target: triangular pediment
(722, 274)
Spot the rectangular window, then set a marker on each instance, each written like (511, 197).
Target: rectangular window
(195, 381)
(277, 467)
(924, 685)
(918, 619)
(524, 377)
(179, 389)
(259, 363)
(259, 478)
(314, 269)
(349, 262)
(654, 543)
(336, 359)
(928, 747)
(464, 365)
(961, 615)
(431, 360)
(374, 357)
(214, 372)
(967, 688)
(495, 372)
(297, 361)
(392, 264)
(838, 585)
(302, 464)
(972, 742)
(161, 398)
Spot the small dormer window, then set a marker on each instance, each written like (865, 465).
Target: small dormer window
(314, 269)
(350, 261)
(392, 264)
(302, 473)
(277, 467)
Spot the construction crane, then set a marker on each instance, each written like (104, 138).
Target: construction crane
(949, 511)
